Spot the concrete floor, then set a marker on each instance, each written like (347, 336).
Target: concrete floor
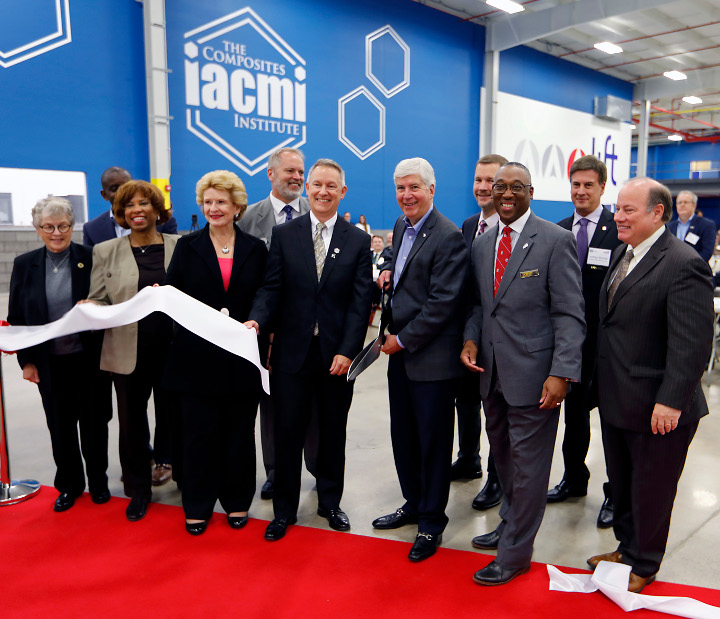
(568, 535)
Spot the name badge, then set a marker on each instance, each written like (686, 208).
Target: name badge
(533, 273)
(691, 238)
(598, 257)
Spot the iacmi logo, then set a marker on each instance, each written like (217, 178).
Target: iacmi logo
(245, 89)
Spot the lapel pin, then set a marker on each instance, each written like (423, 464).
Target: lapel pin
(604, 227)
(424, 235)
(81, 265)
(524, 246)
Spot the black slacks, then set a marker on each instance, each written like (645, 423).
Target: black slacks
(422, 423)
(218, 431)
(576, 440)
(71, 397)
(294, 396)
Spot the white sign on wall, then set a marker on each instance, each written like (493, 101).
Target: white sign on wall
(548, 138)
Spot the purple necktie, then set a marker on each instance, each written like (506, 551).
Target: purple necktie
(481, 227)
(287, 209)
(582, 241)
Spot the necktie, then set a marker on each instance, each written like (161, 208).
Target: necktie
(481, 227)
(287, 209)
(582, 241)
(319, 249)
(620, 275)
(503, 255)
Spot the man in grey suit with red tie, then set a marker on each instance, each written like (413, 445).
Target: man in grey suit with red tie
(596, 235)
(316, 298)
(424, 335)
(524, 336)
(654, 341)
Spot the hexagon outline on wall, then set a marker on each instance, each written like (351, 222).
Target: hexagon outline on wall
(361, 91)
(31, 49)
(199, 129)
(369, 39)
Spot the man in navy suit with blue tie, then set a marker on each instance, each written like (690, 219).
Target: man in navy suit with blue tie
(696, 231)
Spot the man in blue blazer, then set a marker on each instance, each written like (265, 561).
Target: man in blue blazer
(696, 231)
(428, 273)
(316, 299)
(524, 336)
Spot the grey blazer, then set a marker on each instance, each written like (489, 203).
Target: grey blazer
(114, 279)
(535, 326)
(427, 301)
(259, 219)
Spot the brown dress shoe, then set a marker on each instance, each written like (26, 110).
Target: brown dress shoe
(161, 474)
(637, 583)
(613, 557)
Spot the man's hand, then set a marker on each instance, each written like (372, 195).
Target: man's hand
(469, 356)
(384, 279)
(390, 347)
(251, 324)
(340, 365)
(553, 392)
(81, 301)
(30, 373)
(664, 419)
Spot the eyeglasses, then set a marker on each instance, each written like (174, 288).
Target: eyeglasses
(500, 188)
(49, 229)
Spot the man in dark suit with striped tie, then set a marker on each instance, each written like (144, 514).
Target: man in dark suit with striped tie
(654, 340)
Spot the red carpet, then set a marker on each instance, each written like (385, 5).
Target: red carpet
(90, 561)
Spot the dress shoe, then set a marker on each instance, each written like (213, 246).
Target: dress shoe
(638, 583)
(613, 557)
(277, 528)
(399, 518)
(564, 491)
(424, 547)
(496, 574)
(196, 528)
(606, 515)
(137, 507)
(460, 470)
(489, 541)
(162, 473)
(489, 496)
(337, 518)
(237, 522)
(64, 502)
(100, 497)
(267, 490)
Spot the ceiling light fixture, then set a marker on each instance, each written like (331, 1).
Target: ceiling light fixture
(506, 5)
(675, 137)
(608, 48)
(692, 100)
(675, 75)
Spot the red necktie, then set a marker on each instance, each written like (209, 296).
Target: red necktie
(503, 255)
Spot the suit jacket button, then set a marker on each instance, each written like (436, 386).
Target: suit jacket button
(109, 275)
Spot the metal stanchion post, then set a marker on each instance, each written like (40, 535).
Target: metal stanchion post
(11, 491)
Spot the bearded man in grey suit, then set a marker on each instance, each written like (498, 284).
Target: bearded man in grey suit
(654, 341)
(286, 172)
(524, 336)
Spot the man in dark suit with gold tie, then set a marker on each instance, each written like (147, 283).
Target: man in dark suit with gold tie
(654, 341)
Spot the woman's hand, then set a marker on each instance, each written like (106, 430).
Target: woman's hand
(30, 373)
(81, 301)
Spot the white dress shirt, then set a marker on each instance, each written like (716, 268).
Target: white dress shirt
(279, 205)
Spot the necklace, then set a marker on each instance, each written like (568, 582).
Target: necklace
(144, 249)
(56, 266)
(225, 249)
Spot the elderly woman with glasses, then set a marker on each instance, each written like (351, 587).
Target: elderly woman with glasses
(45, 284)
(136, 353)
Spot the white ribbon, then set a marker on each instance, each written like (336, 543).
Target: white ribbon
(202, 320)
(612, 580)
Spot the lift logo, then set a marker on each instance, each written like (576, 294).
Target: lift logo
(28, 29)
(245, 89)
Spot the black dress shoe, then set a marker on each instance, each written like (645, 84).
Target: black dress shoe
(496, 574)
(399, 518)
(606, 515)
(424, 547)
(489, 541)
(196, 528)
(337, 518)
(277, 528)
(489, 496)
(564, 491)
(460, 470)
(267, 490)
(64, 502)
(100, 497)
(237, 522)
(137, 507)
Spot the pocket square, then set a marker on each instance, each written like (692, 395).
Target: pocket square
(533, 273)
